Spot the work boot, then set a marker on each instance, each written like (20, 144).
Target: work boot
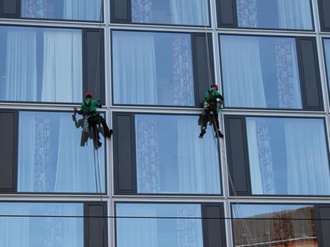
(109, 133)
(219, 134)
(202, 133)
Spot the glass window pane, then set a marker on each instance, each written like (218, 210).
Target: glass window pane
(260, 72)
(288, 156)
(51, 158)
(171, 159)
(152, 68)
(86, 10)
(275, 14)
(180, 12)
(274, 225)
(38, 63)
(326, 43)
(161, 225)
(41, 224)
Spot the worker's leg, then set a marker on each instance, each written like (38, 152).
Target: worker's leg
(205, 116)
(107, 131)
(92, 123)
(215, 121)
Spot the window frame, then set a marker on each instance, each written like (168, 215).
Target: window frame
(238, 156)
(125, 165)
(202, 66)
(121, 12)
(12, 9)
(9, 165)
(227, 17)
(93, 72)
(308, 71)
(314, 217)
(212, 217)
(94, 220)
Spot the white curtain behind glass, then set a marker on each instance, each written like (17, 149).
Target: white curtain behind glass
(21, 66)
(62, 66)
(82, 10)
(260, 157)
(76, 170)
(190, 12)
(198, 160)
(134, 68)
(14, 231)
(307, 158)
(288, 85)
(26, 154)
(255, 171)
(295, 14)
(137, 232)
(241, 70)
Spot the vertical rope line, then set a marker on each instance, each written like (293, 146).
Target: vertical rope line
(98, 53)
(96, 156)
(204, 17)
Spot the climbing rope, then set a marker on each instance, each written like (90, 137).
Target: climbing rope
(97, 173)
(230, 180)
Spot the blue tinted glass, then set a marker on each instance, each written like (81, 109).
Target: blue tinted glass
(86, 10)
(180, 12)
(327, 57)
(171, 159)
(288, 156)
(260, 72)
(159, 225)
(51, 158)
(274, 225)
(41, 224)
(152, 68)
(275, 14)
(40, 64)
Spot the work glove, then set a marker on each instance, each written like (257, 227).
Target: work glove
(206, 105)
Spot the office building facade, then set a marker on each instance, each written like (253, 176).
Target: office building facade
(155, 183)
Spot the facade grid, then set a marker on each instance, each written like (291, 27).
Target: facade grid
(154, 182)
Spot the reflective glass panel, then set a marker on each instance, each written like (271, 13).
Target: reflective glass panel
(275, 14)
(274, 225)
(40, 64)
(84, 10)
(326, 43)
(41, 224)
(152, 68)
(288, 156)
(179, 12)
(51, 158)
(171, 158)
(260, 72)
(158, 225)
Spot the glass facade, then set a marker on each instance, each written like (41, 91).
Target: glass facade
(275, 14)
(177, 12)
(157, 180)
(41, 224)
(282, 152)
(272, 224)
(38, 63)
(170, 161)
(51, 158)
(152, 68)
(83, 10)
(260, 72)
(146, 224)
